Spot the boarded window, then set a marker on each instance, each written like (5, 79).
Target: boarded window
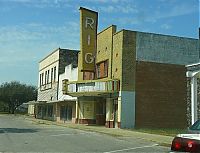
(102, 69)
(88, 75)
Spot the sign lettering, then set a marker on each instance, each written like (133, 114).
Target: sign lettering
(89, 21)
(88, 38)
(89, 58)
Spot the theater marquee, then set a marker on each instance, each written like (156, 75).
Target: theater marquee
(88, 38)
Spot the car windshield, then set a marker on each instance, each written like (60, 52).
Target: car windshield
(195, 126)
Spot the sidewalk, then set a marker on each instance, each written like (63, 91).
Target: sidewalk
(160, 139)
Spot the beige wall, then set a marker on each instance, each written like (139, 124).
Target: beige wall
(105, 47)
(51, 58)
(117, 56)
(51, 61)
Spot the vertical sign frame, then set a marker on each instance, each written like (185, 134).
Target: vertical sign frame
(88, 38)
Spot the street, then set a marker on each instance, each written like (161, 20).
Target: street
(20, 135)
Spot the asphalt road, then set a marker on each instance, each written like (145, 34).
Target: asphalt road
(19, 135)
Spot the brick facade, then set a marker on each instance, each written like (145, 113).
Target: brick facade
(160, 95)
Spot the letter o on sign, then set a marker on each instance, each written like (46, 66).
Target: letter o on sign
(89, 58)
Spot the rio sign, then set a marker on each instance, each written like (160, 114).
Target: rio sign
(88, 38)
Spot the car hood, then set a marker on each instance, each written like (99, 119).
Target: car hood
(190, 136)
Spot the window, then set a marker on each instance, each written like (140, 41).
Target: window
(51, 74)
(55, 73)
(50, 110)
(98, 71)
(102, 69)
(45, 81)
(47, 76)
(88, 75)
(42, 79)
(106, 68)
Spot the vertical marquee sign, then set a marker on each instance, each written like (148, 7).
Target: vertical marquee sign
(88, 38)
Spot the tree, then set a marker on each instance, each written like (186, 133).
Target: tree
(14, 94)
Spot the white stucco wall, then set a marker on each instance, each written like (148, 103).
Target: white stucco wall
(72, 75)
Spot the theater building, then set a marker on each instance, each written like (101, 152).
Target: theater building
(130, 79)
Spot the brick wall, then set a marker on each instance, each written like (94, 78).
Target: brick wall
(161, 96)
(67, 57)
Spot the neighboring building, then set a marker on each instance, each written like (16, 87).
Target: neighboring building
(67, 105)
(48, 85)
(31, 108)
(193, 99)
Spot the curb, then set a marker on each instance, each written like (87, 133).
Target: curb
(124, 133)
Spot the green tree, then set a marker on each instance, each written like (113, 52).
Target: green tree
(13, 94)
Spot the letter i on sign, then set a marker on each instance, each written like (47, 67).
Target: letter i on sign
(88, 40)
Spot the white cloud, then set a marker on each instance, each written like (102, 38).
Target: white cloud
(174, 10)
(119, 9)
(34, 41)
(166, 26)
(16, 33)
(42, 3)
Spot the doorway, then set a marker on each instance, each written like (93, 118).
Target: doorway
(66, 112)
(115, 107)
(101, 112)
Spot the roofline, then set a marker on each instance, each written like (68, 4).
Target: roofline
(160, 34)
(58, 49)
(194, 64)
(107, 29)
(55, 50)
(83, 8)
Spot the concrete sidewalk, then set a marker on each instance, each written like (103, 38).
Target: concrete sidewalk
(160, 139)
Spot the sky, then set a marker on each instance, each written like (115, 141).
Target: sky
(31, 29)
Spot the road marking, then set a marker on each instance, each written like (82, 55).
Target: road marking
(132, 148)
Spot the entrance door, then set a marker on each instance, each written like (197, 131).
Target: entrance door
(66, 113)
(101, 112)
(69, 112)
(115, 113)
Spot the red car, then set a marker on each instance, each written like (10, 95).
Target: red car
(188, 142)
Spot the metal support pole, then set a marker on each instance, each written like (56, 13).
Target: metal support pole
(194, 99)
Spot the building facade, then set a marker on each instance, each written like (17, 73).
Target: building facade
(49, 103)
(148, 78)
(138, 79)
(120, 79)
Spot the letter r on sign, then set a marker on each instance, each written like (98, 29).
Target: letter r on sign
(89, 22)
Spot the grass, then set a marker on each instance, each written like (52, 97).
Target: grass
(4, 113)
(160, 131)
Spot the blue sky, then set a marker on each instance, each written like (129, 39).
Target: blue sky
(31, 29)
